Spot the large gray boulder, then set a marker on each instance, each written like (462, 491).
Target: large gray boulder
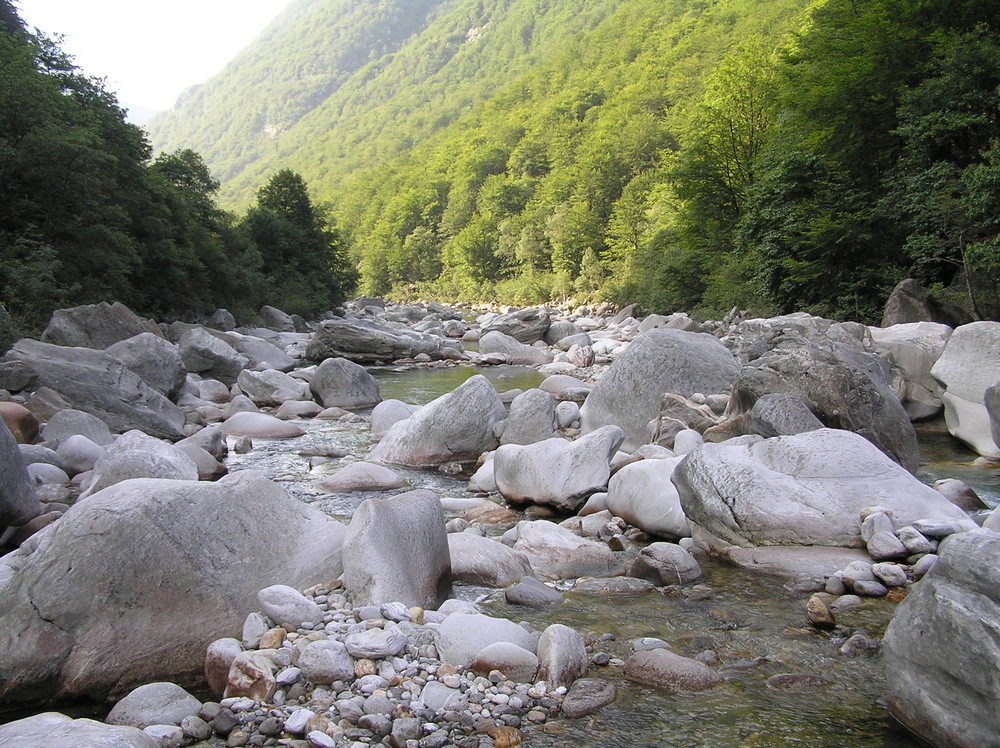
(456, 426)
(154, 358)
(396, 550)
(275, 319)
(642, 494)
(96, 326)
(476, 559)
(914, 348)
(339, 383)
(54, 730)
(272, 387)
(805, 489)
(71, 422)
(557, 553)
(388, 413)
(18, 503)
(94, 382)
(515, 352)
(368, 342)
(941, 651)
(260, 353)
(462, 636)
(531, 418)
(844, 387)
(630, 391)
(524, 325)
(969, 365)
(132, 584)
(556, 472)
(909, 303)
(206, 354)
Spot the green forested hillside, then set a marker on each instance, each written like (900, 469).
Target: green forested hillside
(688, 154)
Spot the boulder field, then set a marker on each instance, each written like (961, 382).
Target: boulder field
(136, 566)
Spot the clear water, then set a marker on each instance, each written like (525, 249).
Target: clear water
(734, 613)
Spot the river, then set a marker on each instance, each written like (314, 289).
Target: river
(739, 615)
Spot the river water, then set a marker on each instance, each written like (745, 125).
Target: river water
(739, 615)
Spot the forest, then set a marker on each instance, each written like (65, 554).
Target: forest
(89, 215)
(695, 155)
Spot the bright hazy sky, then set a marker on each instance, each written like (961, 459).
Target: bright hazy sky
(151, 51)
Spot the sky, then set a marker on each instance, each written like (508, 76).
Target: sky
(149, 51)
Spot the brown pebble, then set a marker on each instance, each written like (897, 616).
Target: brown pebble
(819, 613)
(507, 737)
(896, 595)
(364, 667)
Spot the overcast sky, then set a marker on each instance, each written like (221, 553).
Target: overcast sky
(150, 51)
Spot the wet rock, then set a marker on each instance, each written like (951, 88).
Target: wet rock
(362, 476)
(562, 657)
(259, 426)
(665, 563)
(819, 613)
(586, 696)
(515, 662)
(479, 560)
(670, 672)
(797, 681)
(531, 593)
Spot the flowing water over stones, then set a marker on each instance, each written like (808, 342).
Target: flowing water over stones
(785, 682)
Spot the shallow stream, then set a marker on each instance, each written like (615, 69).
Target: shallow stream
(740, 616)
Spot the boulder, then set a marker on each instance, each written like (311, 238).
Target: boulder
(556, 553)
(844, 387)
(326, 661)
(78, 454)
(221, 319)
(556, 472)
(272, 387)
(562, 656)
(532, 593)
(96, 326)
(275, 319)
(941, 651)
(154, 359)
(72, 422)
(261, 354)
(396, 550)
(136, 455)
(339, 383)
(665, 563)
(969, 365)
(804, 489)
(524, 325)
(204, 353)
(362, 476)
(661, 668)
(387, 413)
(781, 415)
(259, 426)
(751, 338)
(284, 604)
(132, 584)
(368, 342)
(914, 348)
(96, 383)
(991, 398)
(18, 503)
(54, 730)
(559, 330)
(514, 352)
(641, 494)
(476, 559)
(909, 303)
(154, 704)
(629, 393)
(458, 426)
(531, 418)
(676, 321)
(462, 636)
(586, 696)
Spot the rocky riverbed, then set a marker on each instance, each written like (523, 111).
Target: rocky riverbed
(428, 556)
